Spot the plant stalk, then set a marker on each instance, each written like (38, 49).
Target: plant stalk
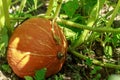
(96, 62)
(50, 7)
(6, 13)
(77, 25)
(59, 3)
(80, 26)
(2, 18)
(91, 20)
(113, 15)
(22, 5)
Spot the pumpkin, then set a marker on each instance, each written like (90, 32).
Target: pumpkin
(35, 44)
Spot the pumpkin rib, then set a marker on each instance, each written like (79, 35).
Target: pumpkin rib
(41, 28)
(43, 44)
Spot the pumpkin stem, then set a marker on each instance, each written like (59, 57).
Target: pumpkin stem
(60, 55)
(56, 37)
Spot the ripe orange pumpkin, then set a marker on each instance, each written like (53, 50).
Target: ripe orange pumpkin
(34, 45)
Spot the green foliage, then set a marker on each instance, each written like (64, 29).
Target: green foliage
(108, 51)
(95, 69)
(116, 40)
(70, 7)
(71, 33)
(58, 77)
(3, 41)
(87, 6)
(40, 74)
(95, 72)
(28, 78)
(114, 77)
(88, 62)
(6, 68)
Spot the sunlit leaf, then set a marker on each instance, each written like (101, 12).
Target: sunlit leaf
(40, 74)
(114, 77)
(6, 68)
(108, 51)
(28, 78)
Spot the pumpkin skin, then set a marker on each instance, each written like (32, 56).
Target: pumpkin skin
(33, 46)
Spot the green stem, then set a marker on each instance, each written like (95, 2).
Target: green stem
(80, 26)
(34, 9)
(22, 5)
(96, 62)
(56, 38)
(113, 15)
(35, 4)
(15, 2)
(76, 25)
(91, 20)
(2, 18)
(6, 13)
(50, 7)
(59, 3)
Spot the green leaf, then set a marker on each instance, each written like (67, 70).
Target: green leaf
(28, 78)
(118, 36)
(97, 68)
(108, 51)
(97, 77)
(70, 7)
(6, 68)
(95, 12)
(94, 71)
(88, 62)
(4, 36)
(114, 77)
(40, 74)
(58, 77)
(88, 5)
(3, 40)
(93, 15)
(116, 39)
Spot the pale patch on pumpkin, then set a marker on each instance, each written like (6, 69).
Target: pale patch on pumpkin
(15, 42)
(24, 60)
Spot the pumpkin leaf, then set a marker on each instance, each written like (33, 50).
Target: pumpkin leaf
(3, 40)
(108, 51)
(114, 77)
(70, 7)
(40, 74)
(88, 62)
(28, 78)
(6, 68)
